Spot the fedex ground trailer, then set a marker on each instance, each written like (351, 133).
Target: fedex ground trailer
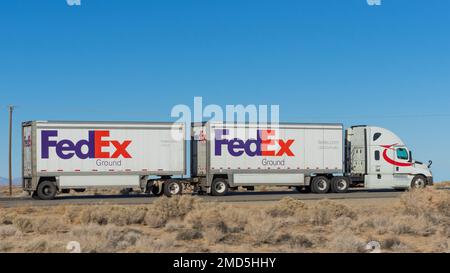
(322, 158)
(59, 156)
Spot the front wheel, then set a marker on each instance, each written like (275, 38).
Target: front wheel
(340, 184)
(219, 187)
(418, 182)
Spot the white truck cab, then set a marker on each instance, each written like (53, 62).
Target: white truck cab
(380, 159)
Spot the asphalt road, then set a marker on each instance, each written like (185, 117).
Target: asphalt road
(242, 197)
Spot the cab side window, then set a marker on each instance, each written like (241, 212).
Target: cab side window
(377, 155)
(402, 153)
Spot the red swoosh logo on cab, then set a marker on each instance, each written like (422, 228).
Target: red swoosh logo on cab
(393, 162)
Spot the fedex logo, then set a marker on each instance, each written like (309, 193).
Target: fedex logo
(95, 144)
(252, 147)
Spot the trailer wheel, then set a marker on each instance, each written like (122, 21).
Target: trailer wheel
(79, 190)
(340, 184)
(172, 187)
(46, 190)
(219, 187)
(320, 184)
(156, 190)
(303, 189)
(418, 182)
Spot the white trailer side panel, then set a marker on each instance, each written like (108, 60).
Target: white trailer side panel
(109, 148)
(291, 147)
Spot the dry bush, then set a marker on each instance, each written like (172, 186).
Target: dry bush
(214, 235)
(7, 217)
(262, 228)
(392, 243)
(347, 243)
(103, 215)
(412, 225)
(342, 223)
(43, 245)
(49, 225)
(120, 239)
(165, 208)
(219, 216)
(380, 223)
(7, 231)
(102, 239)
(156, 218)
(172, 227)
(428, 202)
(188, 234)
(24, 224)
(295, 241)
(325, 211)
(287, 206)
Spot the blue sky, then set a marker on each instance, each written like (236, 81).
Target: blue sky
(320, 60)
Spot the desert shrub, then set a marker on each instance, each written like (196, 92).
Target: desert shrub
(105, 238)
(380, 224)
(24, 224)
(136, 215)
(96, 215)
(295, 240)
(214, 235)
(347, 243)
(176, 206)
(342, 223)
(325, 211)
(172, 227)
(391, 243)
(49, 224)
(261, 228)
(287, 206)
(120, 239)
(156, 218)
(426, 202)
(188, 234)
(37, 245)
(217, 216)
(412, 225)
(7, 218)
(7, 231)
(165, 208)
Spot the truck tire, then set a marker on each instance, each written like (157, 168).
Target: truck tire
(172, 187)
(156, 190)
(79, 190)
(219, 187)
(303, 189)
(46, 190)
(418, 182)
(340, 184)
(320, 184)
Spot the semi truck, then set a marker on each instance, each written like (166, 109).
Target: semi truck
(59, 156)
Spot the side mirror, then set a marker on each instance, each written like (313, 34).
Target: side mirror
(430, 163)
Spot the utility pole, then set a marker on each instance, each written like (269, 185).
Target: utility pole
(11, 109)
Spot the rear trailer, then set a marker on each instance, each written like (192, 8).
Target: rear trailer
(60, 156)
(305, 156)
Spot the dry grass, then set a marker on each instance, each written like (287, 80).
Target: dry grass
(418, 222)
